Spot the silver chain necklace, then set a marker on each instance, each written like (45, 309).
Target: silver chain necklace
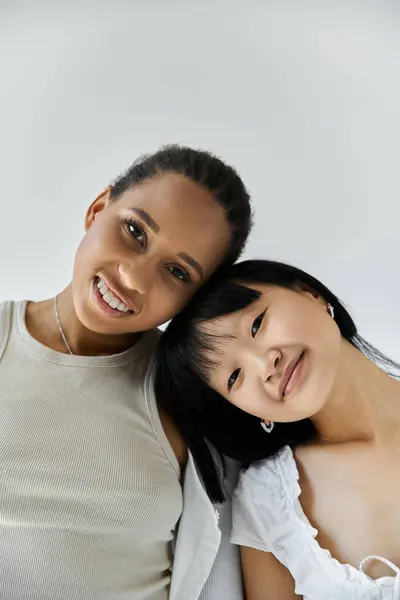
(64, 339)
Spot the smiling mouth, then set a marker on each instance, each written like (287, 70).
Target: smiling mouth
(112, 299)
(109, 301)
(291, 376)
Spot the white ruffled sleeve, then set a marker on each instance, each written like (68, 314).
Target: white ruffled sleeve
(260, 504)
(245, 529)
(267, 515)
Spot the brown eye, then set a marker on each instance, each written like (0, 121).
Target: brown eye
(257, 324)
(136, 232)
(179, 273)
(233, 378)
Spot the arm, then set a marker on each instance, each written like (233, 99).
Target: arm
(265, 578)
(225, 579)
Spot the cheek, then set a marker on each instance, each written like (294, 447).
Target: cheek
(320, 376)
(105, 234)
(287, 326)
(98, 248)
(164, 303)
(86, 249)
(325, 342)
(306, 326)
(252, 399)
(80, 261)
(327, 359)
(102, 242)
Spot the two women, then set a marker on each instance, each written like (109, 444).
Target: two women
(91, 465)
(266, 364)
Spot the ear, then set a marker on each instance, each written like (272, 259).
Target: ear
(97, 206)
(307, 292)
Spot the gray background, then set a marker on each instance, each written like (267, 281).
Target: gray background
(303, 97)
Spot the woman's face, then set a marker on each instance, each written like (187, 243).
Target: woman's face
(145, 253)
(277, 359)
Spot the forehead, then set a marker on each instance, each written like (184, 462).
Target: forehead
(227, 332)
(169, 194)
(223, 328)
(224, 335)
(221, 338)
(228, 336)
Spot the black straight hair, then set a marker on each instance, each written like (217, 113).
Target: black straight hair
(183, 367)
(205, 169)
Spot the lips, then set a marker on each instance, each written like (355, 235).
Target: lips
(117, 292)
(287, 375)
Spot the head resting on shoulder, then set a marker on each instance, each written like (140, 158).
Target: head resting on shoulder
(156, 236)
(257, 343)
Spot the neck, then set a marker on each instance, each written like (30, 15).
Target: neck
(42, 324)
(364, 404)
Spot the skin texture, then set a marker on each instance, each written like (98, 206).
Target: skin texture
(156, 245)
(263, 340)
(264, 577)
(349, 475)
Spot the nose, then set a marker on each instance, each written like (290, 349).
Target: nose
(270, 365)
(138, 275)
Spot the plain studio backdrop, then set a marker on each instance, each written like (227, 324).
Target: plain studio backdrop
(302, 97)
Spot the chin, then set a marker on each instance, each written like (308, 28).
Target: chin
(92, 322)
(302, 410)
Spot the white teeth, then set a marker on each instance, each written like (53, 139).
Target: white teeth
(102, 287)
(110, 298)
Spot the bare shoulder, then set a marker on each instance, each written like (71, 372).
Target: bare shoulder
(322, 467)
(320, 457)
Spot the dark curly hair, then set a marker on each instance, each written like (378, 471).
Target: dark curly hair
(207, 170)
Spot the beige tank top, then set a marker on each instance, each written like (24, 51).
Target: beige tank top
(90, 490)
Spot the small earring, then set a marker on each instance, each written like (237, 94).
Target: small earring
(267, 428)
(331, 310)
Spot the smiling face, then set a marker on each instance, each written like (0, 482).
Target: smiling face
(278, 358)
(145, 254)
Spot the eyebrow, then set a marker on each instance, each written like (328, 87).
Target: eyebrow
(156, 228)
(192, 262)
(146, 218)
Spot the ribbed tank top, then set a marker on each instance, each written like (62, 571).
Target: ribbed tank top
(90, 490)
